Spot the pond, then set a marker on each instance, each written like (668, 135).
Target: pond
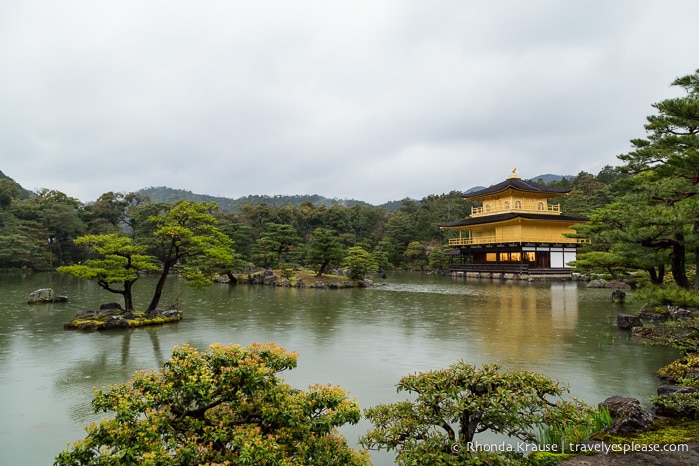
(361, 339)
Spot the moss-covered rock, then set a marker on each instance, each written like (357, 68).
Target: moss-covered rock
(115, 318)
(679, 370)
(663, 432)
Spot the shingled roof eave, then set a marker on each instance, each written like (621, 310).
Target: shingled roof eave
(516, 184)
(472, 221)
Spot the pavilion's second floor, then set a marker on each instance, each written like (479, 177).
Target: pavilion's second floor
(514, 228)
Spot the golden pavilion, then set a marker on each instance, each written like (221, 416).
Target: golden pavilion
(516, 233)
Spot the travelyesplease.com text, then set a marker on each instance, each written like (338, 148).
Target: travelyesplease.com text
(588, 447)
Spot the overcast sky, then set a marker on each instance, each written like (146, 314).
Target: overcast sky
(371, 100)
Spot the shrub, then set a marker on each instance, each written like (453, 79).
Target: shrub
(683, 405)
(450, 406)
(668, 294)
(225, 406)
(682, 369)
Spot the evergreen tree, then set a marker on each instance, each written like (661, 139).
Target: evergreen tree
(279, 239)
(324, 248)
(188, 236)
(664, 169)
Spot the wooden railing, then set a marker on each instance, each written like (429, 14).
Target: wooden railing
(553, 209)
(497, 239)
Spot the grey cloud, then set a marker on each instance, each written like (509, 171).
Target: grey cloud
(369, 100)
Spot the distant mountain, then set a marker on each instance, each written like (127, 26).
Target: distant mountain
(165, 194)
(546, 179)
(25, 192)
(474, 189)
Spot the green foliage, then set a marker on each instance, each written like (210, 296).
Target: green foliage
(416, 256)
(669, 294)
(683, 368)
(681, 333)
(602, 263)
(286, 272)
(324, 248)
(188, 237)
(225, 406)
(53, 220)
(400, 230)
(359, 263)
(18, 247)
(115, 213)
(588, 193)
(564, 434)
(165, 194)
(543, 458)
(381, 259)
(278, 239)
(664, 178)
(9, 191)
(682, 405)
(449, 407)
(438, 258)
(118, 261)
(653, 222)
(662, 432)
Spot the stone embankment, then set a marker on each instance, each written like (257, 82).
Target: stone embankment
(269, 277)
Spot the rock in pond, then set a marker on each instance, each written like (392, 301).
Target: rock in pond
(45, 295)
(628, 321)
(627, 415)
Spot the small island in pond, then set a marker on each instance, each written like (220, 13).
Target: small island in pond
(111, 316)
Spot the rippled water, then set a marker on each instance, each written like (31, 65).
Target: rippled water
(363, 340)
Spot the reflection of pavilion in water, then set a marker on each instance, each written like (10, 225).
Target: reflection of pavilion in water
(564, 304)
(526, 322)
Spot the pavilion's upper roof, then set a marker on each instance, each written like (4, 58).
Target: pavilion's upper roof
(517, 184)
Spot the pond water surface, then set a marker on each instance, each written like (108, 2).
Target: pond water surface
(361, 339)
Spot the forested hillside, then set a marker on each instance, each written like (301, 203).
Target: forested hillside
(38, 231)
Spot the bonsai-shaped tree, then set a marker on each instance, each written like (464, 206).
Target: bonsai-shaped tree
(116, 267)
(450, 406)
(225, 406)
(185, 236)
(188, 237)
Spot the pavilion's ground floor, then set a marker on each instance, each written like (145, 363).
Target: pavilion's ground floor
(513, 260)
